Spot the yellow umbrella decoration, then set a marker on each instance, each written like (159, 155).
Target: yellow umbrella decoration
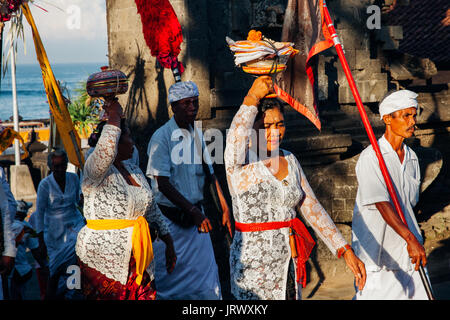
(58, 107)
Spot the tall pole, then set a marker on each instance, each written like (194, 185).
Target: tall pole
(371, 135)
(15, 107)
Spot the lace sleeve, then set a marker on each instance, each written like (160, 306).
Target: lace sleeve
(155, 219)
(238, 137)
(99, 161)
(318, 218)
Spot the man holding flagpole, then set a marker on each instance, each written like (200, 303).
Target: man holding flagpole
(391, 250)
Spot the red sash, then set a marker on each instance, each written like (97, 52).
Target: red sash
(303, 240)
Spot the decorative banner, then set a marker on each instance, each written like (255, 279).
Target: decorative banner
(58, 107)
(304, 25)
(162, 32)
(7, 136)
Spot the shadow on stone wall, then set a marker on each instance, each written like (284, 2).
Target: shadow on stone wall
(138, 105)
(436, 196)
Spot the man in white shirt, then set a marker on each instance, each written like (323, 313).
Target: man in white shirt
(391, 251)
(178, 181)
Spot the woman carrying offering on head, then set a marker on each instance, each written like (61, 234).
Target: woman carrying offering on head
(268, 187)
(115, 247)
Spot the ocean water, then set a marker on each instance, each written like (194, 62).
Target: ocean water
(31, 97)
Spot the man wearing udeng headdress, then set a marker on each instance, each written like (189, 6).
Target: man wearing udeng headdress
(178, 184)
(391, 251)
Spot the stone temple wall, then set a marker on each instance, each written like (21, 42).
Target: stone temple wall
(328, 157)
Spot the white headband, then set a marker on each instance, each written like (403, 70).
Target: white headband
(182, 90)
(398, 100)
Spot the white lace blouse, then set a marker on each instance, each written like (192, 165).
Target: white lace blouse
(107, 195)
(259, 261)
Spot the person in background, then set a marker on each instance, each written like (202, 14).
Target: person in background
(41, 267)
(178, 187)
(8, 208)
(26, 239)
(57, 216)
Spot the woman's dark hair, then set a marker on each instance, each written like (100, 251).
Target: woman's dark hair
(266, 104)
(93, 138)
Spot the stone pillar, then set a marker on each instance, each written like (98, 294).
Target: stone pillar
(146, 104)
(21, 184)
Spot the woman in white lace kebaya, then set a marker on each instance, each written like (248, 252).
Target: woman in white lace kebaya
(114, 248)
(267, 185)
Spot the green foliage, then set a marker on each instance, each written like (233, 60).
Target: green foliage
(83, 110)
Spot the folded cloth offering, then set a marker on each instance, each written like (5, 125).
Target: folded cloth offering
(261, 55)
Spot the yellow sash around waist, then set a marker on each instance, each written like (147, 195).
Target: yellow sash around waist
(141, 239)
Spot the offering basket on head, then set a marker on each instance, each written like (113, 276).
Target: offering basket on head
(107, 84)
(259, 55)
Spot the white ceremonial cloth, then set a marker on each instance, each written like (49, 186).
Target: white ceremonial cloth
(195, 275)
(373, 240)
(392, 285)
(398, 100)
(171, 152)
(22, 263)
(182, 90)
(59, 218)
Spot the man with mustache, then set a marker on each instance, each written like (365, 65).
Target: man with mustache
(178, 180)
(391, 251)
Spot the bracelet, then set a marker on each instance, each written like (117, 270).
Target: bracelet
(343, 250)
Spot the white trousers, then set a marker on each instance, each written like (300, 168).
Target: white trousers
(392, 285)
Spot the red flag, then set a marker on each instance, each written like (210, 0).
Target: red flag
(162, 31)
(304, 25)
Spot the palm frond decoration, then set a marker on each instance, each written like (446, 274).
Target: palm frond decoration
(11, 12)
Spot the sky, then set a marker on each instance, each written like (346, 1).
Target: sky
(72, 31)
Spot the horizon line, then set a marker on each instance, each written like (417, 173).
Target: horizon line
(66, 62)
